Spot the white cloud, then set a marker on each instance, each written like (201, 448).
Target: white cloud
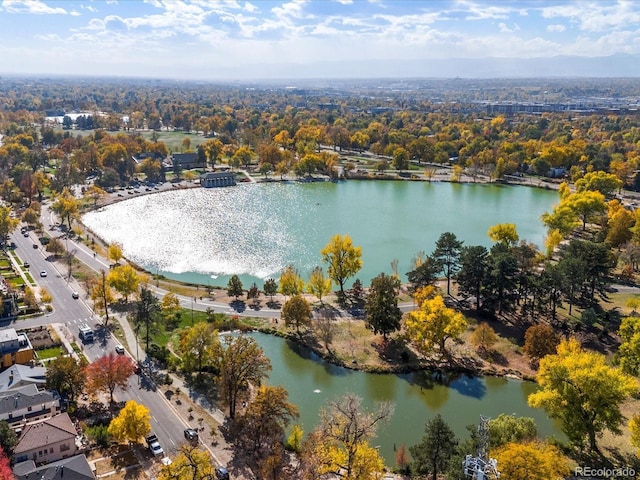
(250, 7)
(597, 16)
(556, 28)
(31, 6)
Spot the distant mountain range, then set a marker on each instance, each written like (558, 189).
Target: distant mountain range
(618, 65)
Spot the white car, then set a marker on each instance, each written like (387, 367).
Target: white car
(43, 273)
(119, 349)
(156, 449)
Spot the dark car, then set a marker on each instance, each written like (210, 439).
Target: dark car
(222, 473)
(191, 435)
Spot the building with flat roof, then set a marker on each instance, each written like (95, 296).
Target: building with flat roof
(14, 348)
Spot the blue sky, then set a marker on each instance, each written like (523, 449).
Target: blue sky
(217, 39)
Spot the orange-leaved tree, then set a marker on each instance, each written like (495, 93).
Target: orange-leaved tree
(108, 373)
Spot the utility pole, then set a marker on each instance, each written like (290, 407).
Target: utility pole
(481, 467)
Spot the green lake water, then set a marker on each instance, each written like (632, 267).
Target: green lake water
(418, 397)
(255, 230)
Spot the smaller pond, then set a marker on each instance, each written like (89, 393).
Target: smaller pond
(418, 397)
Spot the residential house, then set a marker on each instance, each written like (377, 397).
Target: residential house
(47, 441)
(28, 404)
(18, 376)
(14, 348)
(217, 179)
(74, 468)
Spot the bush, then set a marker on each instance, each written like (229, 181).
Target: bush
(99, 434)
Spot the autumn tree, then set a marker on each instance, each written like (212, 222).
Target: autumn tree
(341, 441)
(242, 362)
(125, 280)
(234, 287)
(191, 463)
(381, 308)
(540, 340)
(634, 429)
(531, 461)
(433, 324)
(200, 347)
(171, 309)
(629, 351)
(504, 233)
(599, 181)
(433, 453)
(261, 428)
(344, 259)
(5, 466)
(483, 336)
(108, 373)
(115, 252)
(318, 285)
(102, 296)
(7, 223)
(66, 375)
(66, 206)
(132, 423)
(586, 205)
(94, 193)
(291, 283)
(579, 389)
(296, 312)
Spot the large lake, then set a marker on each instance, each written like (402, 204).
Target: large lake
(255, 230)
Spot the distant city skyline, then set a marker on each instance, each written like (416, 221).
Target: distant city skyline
(259, 39)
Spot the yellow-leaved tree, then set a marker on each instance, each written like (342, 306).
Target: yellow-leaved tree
(125, 280)
(115, 252)
(531, 461)
(131, 424)
(191, 463)
(634, 428)
(505, 233)
(344, 259)
(581, 390)
(433, 324)
(341, 441)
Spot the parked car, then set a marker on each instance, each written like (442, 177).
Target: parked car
(154, 446)
(191, 435)
(75, 295)
(119, 349)
(222, 473)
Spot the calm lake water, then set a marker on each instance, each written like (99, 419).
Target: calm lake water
(418, 397)
(255, 230)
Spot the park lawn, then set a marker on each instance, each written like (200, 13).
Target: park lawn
(173, 140)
